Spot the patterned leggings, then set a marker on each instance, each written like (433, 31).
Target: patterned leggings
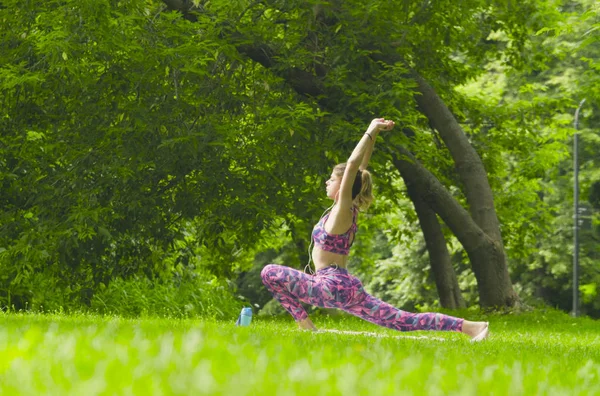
(334, 287)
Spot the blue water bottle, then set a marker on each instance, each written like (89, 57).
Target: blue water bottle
(245, 317)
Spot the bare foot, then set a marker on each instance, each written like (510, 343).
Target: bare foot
(478, 331)
(307, 324)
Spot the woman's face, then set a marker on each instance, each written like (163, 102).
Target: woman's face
(333, 186)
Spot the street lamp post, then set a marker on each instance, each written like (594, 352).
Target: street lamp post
(576, 216)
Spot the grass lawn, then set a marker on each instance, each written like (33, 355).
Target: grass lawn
(545, 352)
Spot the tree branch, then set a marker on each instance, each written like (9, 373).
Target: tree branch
(433, 192)
(468, 164)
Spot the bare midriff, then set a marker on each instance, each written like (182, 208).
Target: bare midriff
(323, 259)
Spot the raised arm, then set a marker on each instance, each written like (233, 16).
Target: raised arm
(372, 133)
(359, 159)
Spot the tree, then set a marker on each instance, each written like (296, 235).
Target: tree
(314, 46)
(130, 128)
(125, 130)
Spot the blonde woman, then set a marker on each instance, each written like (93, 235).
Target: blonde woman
(332, 286)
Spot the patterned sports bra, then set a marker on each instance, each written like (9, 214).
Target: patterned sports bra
(335, 243)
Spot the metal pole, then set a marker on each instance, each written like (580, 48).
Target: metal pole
(576, 217)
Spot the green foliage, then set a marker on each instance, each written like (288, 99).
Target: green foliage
(192, 296)
(187, 293)
(555, 87)
(137, 144)
(128, 131)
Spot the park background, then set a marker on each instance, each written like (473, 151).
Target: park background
(154, 156)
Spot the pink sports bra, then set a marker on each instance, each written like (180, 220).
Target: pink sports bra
(335, 243)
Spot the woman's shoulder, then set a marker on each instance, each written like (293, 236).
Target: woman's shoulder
(352, 209)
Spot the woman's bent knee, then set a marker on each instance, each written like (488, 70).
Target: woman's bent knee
(268, 272)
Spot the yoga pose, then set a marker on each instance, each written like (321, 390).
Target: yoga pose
(332, 286)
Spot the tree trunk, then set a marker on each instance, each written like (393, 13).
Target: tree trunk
(439, 257)
(488, 260)
(487, 257)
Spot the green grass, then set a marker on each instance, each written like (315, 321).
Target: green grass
(535, 353)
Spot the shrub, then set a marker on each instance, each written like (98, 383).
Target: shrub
(200, 295)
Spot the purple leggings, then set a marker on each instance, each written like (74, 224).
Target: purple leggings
(333, 287)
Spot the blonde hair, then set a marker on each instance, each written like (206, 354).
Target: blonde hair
(362, 189)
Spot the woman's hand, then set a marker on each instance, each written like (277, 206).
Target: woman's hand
(381, 124)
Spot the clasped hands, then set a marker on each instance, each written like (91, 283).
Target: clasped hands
(381, 124)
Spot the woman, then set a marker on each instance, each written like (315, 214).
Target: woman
(332, 286)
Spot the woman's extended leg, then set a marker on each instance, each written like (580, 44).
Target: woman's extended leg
(384, 314)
